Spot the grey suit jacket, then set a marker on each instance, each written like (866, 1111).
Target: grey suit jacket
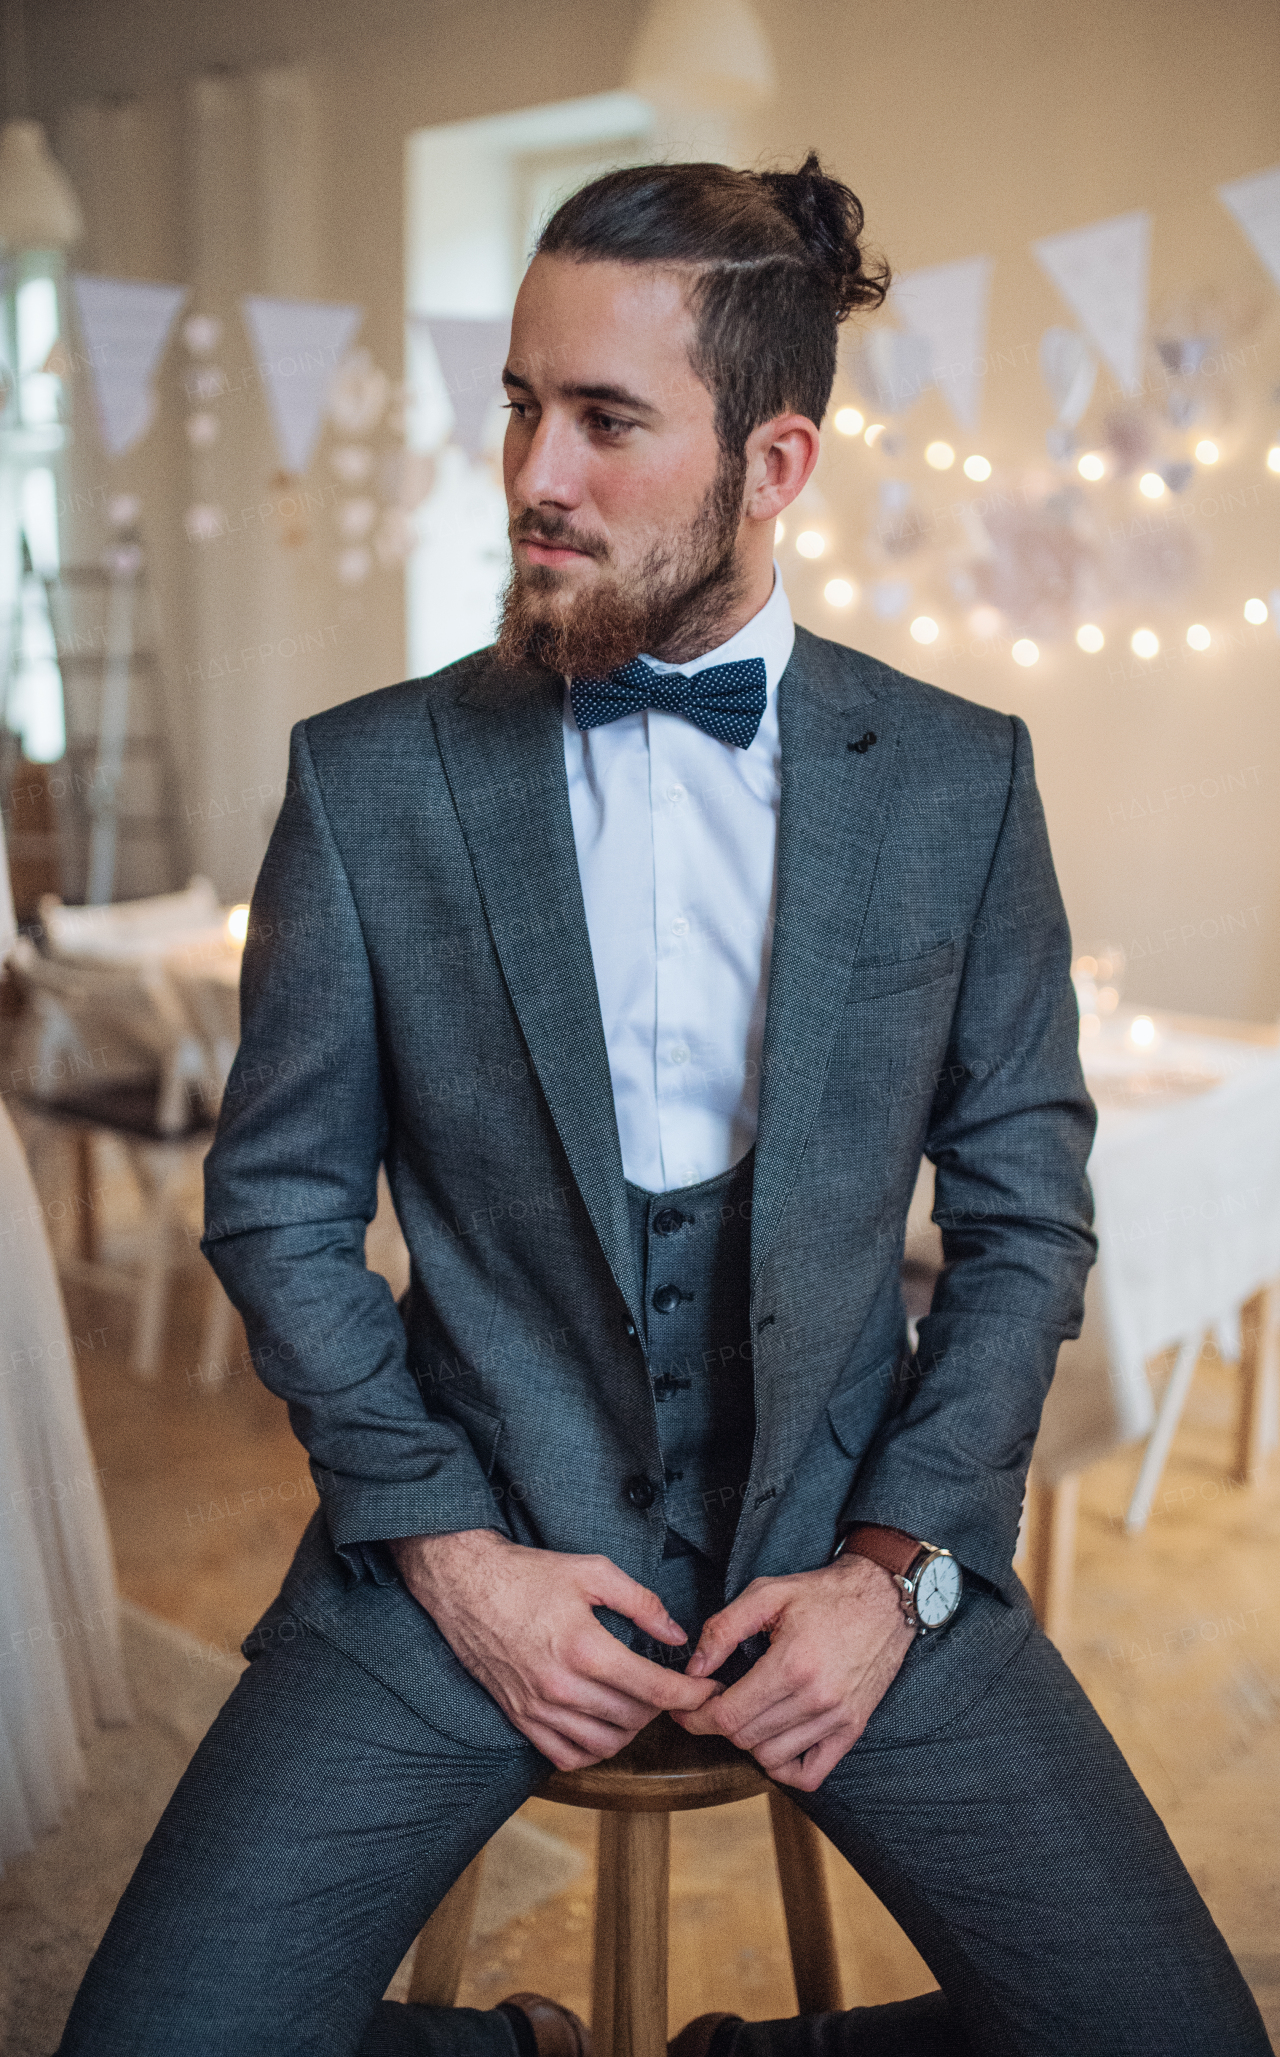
(418, 990)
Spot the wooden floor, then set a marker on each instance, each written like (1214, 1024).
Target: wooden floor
(1175, 1636)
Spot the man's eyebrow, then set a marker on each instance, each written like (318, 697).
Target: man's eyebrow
(615, 396)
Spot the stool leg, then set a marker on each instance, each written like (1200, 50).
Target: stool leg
(631, 1936)
(797, 1845)
(442, 1943)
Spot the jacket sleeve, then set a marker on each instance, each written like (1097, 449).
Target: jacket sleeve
(1010, 1129)
(291, 1186)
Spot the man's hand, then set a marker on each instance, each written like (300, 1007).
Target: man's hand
(836, 1639)
(521, 1622)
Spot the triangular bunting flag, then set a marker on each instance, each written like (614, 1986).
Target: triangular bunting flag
(891, 370)
(1101, 273)
(300, 344)
(1255, 203)
(471, 354)
(125, 324)
(947, 305)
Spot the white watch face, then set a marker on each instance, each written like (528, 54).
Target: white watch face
(938, 1591)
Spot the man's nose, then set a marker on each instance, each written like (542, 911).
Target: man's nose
(551, 474)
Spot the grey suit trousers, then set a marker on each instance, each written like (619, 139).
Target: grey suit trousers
(322, 1819)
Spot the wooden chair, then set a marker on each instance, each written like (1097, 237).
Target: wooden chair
(663, 1772)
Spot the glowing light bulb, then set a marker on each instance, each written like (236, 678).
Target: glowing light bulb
(849, 421)
(1025, 651)
(1151, 484)
(1255, 611)
(1092, 465)
(1090, 638)
(940, 455)
(924, 629)
(1273, 457)
(1198, 636)
(1142, 1031)
(238, 922)
(977, 468)
(1144, 643)
(873, 435)
(838, 592)
(809, 543)
(1207, 451)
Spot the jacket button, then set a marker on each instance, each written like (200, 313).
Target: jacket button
(640, 1491)
(668, 1298)
(668, 1220)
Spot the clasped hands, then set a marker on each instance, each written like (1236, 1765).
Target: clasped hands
(522, 1623)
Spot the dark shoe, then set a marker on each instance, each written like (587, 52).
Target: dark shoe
(554, 2031)
(707, 2035)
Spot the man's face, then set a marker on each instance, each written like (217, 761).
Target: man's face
(623, 514)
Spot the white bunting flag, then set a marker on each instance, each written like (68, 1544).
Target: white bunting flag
(300, 345)
(471, 354)
(125, 324)
(1255, 203)
(1101, 273)
(947, 306)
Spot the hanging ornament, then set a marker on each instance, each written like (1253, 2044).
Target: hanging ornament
(359, 394)
(202, 334)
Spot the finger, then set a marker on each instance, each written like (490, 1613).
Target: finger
(807, 1773)
(797, 1737)
(598, 1738)
(612, 1664)
(775, 1720)
(756, 1609)
(601, 1702)
(610, 1587)
(765, 1686)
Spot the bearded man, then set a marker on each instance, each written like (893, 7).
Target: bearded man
(649, 950)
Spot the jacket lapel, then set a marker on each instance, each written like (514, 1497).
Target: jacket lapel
(504, 760)
(832, 820)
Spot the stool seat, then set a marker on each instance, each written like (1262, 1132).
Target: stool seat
(661, 1772)
(664, 1771)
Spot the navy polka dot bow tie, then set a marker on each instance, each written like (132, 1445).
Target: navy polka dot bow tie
(727, 700)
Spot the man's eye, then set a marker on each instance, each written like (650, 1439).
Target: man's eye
(516, 407)
(610, 423)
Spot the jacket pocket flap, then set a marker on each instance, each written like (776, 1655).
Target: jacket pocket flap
(856, 1408)
(871, 981)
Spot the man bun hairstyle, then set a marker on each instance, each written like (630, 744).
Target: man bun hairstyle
(776, 263)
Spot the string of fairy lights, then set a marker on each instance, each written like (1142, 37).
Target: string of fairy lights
(1093, 467)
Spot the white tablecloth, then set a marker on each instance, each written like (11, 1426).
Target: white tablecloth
(60, 1665)
(1185, 1173)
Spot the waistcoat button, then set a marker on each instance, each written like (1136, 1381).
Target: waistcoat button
(668, 1220)
(668, 1298)
(640, 1491)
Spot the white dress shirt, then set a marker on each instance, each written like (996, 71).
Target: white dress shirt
(677, 841)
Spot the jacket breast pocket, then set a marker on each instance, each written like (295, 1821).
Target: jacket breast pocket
(876, 980)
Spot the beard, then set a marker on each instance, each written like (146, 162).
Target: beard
(670, 603)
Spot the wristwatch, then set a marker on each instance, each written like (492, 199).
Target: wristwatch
(927, 1576)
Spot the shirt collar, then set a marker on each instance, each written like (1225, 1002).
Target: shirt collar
(771, 634)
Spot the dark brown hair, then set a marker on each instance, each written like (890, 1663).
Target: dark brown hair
(777, 265)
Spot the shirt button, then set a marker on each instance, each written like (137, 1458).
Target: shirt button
(675, 793)
(679, 1053)
(640, 1492)
(680, 926)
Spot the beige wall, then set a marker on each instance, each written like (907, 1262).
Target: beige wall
(965, 130)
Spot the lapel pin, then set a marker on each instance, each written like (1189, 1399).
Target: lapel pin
(863, 743)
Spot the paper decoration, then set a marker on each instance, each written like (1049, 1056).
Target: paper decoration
(1255, 203)
(300, 345)
(125, 324)
(947, 306)
(1101, 273)
(471, 354)
(1069, 370)
(359, 395)
(891, 370)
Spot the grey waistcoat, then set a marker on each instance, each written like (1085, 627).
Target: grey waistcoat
(693, 1256)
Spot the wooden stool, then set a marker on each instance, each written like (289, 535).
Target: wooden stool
(663, 1772)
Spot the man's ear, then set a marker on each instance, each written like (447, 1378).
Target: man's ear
(781, 455)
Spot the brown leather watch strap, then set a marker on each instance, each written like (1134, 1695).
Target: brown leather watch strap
(891, 1548)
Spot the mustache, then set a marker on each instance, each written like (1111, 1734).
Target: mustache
(557, 530)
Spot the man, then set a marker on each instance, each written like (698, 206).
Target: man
(649, 977)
